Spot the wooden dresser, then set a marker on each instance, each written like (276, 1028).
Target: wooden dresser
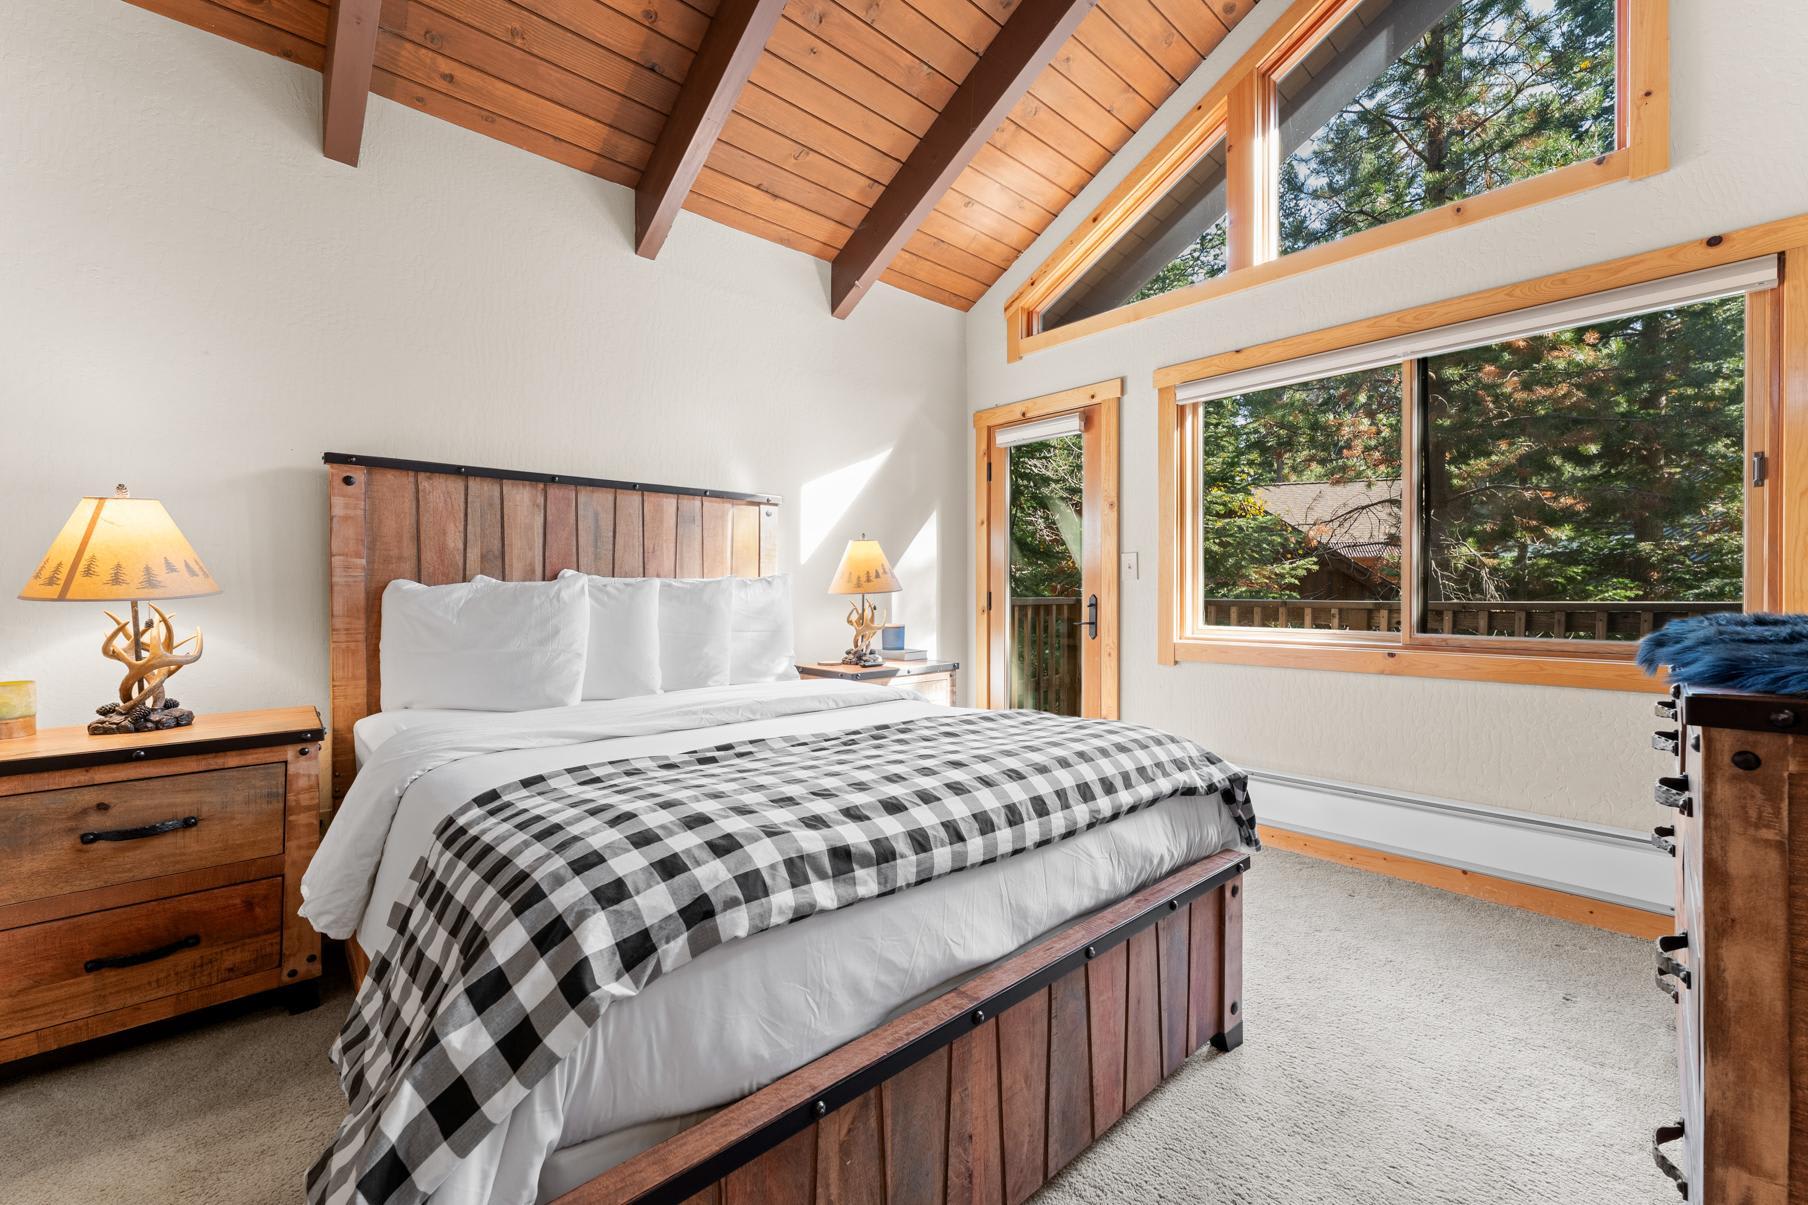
(934, 680)
(145, 875)
(1737, 823)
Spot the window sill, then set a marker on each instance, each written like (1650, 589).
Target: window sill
(1515, 666)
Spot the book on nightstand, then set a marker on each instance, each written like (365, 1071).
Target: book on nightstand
(907, 654)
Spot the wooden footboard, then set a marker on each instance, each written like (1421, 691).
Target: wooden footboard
(982, 1094)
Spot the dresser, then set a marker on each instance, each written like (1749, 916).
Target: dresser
(145, 875)
(1735, 798)
(934, 680)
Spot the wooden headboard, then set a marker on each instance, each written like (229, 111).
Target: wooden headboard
(439, 523)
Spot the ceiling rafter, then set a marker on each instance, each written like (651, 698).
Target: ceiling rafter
(351, 51)
(736, 39)
(1025, 44)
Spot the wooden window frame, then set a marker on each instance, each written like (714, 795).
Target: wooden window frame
(1101, 533)
(1776, 416)
(1241, 106)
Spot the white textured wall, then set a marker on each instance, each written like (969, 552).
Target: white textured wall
(193, 300)
(1740, 156)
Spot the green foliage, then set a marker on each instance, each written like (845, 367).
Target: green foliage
(1203, 259)
(1047, 485)
(1602, 463)
(1495, 91)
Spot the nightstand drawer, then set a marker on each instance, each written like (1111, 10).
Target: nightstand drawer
(55, 842)
(937, 688)
(63, 970)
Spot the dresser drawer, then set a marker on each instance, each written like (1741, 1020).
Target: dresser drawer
(55, 842)
(62, 970)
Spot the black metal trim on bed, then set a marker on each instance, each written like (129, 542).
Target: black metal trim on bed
(428, 466)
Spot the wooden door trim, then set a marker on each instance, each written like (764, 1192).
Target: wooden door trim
(1103, 398)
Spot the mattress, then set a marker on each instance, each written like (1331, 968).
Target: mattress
(746, 1013)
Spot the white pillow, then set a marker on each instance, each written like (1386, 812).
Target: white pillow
(693, 631)
(761, 646)
(483, 645)
(623, 656)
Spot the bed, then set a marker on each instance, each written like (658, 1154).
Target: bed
(961, 1040)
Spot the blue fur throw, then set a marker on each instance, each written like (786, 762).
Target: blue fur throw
(1764, 654)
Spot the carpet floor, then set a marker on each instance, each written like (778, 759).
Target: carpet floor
(1403, 1045)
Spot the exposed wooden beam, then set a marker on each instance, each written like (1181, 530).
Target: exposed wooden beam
(1029, 38)
(351, 48)
(732, 46)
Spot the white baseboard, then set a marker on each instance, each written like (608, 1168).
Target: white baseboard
(1617, 865)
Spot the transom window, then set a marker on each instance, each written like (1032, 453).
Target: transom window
(1573, 475)
(1355, 123)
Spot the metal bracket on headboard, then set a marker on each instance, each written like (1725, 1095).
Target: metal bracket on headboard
(440, 523)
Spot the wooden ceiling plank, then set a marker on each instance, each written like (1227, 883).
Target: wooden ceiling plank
(236, 27)
(717, 211)
(303, 18)
(915, 33)
(807, 92)
(1041, 158)
(768, 177)
(672, 19)
(1144, 24)
(1039, 191)
(850, 77)
(1091, 75)
(446, 35)
(617, 32)
(503, 129)
(554, 43)
(899, 280)
(793, 156)
(351, 45)
(961, 20)
(930, 272)
(1134, 65)
(926, 246)
(865, 43)
(1066, 98)
(433, 70)
(953, 220)
(1195, 21)
(1040, 119)
(987, 205)
(777, 210)
(777, 113)
(1016, 56)
(735, 42)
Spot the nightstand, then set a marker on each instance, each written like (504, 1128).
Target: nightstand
(149, 874)
(934, 680)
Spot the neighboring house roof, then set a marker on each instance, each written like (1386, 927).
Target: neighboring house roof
(1359, 519)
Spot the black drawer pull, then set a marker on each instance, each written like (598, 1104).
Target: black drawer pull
(143, 956)
(1660, 837)
(143, 830)
(1660, 1138)
(1669, 943)
(1673, 792)
(1666, 742)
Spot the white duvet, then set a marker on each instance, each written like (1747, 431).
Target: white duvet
(742, 1014)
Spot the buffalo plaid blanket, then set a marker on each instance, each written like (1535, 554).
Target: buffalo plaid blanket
(539, 902)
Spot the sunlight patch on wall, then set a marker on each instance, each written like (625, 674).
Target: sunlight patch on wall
(825, 501)
(916, 605)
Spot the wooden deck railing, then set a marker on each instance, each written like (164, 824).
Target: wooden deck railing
(1045, 654)
(1554, 620)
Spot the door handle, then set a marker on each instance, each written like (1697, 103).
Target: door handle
(1092, 617)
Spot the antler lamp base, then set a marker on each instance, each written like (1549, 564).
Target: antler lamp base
(151, 658)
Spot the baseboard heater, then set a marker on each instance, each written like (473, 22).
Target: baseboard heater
(1614, 865)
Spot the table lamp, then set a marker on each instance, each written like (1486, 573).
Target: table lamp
(863, 571)
(126, 549)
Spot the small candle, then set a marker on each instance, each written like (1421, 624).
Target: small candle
(18, 700)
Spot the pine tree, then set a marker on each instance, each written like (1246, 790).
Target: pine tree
(91, 567)
(170, 566)
(56, 575)
(148, 580)
(118, 576)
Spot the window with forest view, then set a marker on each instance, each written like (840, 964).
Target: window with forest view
(1406, 105)
(1586, 483)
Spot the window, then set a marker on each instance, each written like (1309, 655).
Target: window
(1474, 497)
(1353, 124)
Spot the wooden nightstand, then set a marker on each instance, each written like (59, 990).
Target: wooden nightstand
(145, 875)
(934, 680)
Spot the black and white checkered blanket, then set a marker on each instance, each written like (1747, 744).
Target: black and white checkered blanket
(539, 902)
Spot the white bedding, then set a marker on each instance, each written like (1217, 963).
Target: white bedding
(742, 1014)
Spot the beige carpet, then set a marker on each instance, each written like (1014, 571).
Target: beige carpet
(1404, 1045)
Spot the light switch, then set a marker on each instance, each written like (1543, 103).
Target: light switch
(1130, 566)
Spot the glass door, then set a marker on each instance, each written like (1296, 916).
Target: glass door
(1050, 600)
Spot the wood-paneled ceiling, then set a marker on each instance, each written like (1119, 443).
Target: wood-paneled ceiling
(838, 97)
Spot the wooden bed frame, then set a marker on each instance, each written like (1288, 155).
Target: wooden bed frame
(976, 1097)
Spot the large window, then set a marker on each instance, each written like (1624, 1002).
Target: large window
(1356, 123)
(1559, 480)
